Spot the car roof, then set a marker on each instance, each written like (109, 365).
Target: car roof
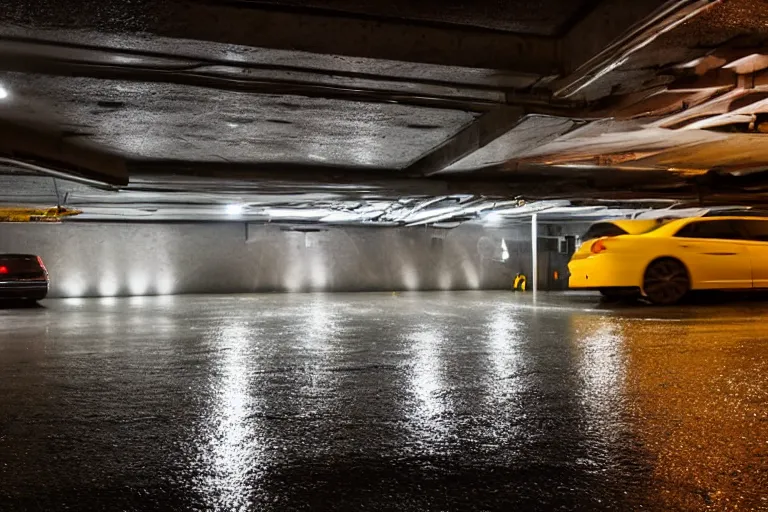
(672, 226)
(738, 213)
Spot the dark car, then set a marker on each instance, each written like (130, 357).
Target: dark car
(23, 277)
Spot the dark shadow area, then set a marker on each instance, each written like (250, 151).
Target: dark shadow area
(446, 483)
(698, 298)
(20, 304)
(714, 298)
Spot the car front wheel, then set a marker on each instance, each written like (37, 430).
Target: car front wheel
(666, 282)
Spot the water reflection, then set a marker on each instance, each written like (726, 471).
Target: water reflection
(409, 402)
(701, 408)
(233, 451)
(427, 416)
(504, 336)
(319, 325)
(601, 363)
(315, 331)
(503, 339)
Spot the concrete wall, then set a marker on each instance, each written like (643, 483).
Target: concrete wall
(106, 259)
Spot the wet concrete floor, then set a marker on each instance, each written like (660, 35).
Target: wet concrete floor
(433, 401)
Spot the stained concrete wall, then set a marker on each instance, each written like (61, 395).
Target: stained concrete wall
(106, 259)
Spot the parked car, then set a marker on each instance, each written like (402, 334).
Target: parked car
(23, 276)
(668, 260)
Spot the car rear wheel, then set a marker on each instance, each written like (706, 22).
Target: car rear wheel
(666, 282)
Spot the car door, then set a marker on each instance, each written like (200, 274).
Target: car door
(756, 234)
(716, 254)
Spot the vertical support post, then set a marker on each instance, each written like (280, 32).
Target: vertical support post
(534, 252)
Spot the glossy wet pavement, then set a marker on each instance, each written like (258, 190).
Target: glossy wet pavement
(438, 401)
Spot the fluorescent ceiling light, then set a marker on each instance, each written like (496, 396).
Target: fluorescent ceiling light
(234, 209)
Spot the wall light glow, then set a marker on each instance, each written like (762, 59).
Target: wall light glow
(470, 274)
(318, 278)
(444, 281)
(293, 279)
(108, 287)
(165, 285)
(318, 275)
(410, 278)
(138, 284)
(3, 93)
(74, 288)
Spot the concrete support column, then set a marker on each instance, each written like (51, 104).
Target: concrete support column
(534, 252)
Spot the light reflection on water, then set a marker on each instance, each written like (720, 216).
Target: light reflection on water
(317, 328)
(319, 325)
(601, 360)
(504, 336)
(232, 454)
(427, 416)
(448, 396)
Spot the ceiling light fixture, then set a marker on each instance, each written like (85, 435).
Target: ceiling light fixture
(234, 209)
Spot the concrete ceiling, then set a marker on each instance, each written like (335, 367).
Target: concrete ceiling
(299, 103)
(172, 122)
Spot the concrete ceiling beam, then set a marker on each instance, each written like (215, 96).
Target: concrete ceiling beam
(240, 181)
(478, 134)
(47, 58)
(51, 150)
(311, 85)
(611, 33)
(359, 37)
(254, 25)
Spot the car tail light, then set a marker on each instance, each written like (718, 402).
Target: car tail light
(42, 265)
(597, 247)
(3, 269)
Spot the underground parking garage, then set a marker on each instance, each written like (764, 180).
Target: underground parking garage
(282, 247)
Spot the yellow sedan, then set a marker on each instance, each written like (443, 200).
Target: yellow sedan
(663, 261)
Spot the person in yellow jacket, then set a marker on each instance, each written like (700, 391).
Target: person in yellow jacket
(520, 282)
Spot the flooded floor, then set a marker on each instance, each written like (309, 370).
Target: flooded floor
(432, 401)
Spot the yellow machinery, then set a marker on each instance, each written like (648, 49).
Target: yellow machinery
(20, 214)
